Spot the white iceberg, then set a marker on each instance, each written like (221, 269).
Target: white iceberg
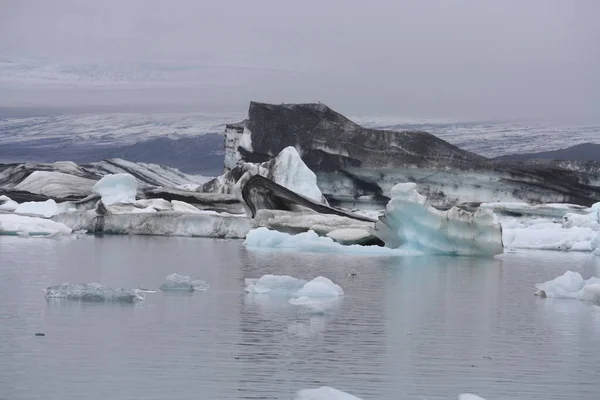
(469, 396)
(314, 297)
(46, 208)
(117, 188)
(183, 207)
(320, 287)
(411, 222)
(7, 204)
(274, 284)
(324, 393)
(178, 282)
(263, 238)
(11, 224)
(93, 292)
(570, 285)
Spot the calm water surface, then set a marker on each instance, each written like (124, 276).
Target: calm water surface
(407, 328)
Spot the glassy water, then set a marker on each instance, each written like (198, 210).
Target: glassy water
(407, 328)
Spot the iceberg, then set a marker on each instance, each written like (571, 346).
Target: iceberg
(469, 396)
(93, 292)
(320, 287)
(176, 282)
(570, 285)
(266, 239)
(325, 393)
(11, 224)
(117, 188)
(7, 204)
(571, 232)
(46, 208)
(410, 221)
(274, 284)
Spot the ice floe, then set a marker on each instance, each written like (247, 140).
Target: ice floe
(93, 292)
(410, 221)
(571, 232)
(117, 188)
(176, 282)
(11, 224)
(324, 393)
(46, 208)
(570, 285)
(263, 238)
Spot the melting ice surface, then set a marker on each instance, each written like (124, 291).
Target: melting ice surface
(263, 238)
(571, 285)
(93, 292)
(117, 188)
(323, 393)
(178, 282)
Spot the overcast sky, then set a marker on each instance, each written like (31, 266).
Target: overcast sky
(460, 58)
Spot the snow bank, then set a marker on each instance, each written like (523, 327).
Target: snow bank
(410, 221)
(11, 224)
(117, 188)
(7, 204)
(325, 393)
(178, 282)
(93, 292)
(263, 238)
(570, 285)
(572, 232)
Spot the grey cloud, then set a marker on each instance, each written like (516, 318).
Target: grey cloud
(463, 58)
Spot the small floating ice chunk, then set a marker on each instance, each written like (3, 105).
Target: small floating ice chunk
(117, 188)
(11, 224)
(274, 284)
(178, 282)
(320, 287)
(469, 396)
(93, 292)
(325, 393)
(570, 285)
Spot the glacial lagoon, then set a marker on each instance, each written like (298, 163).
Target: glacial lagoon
(407, 327)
